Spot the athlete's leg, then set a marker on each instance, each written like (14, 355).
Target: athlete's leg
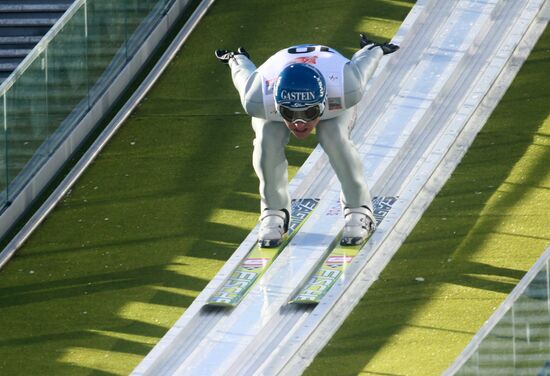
(334, 137)
(358, 211)
(270, 163)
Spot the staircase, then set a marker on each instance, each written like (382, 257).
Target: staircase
(22, 24)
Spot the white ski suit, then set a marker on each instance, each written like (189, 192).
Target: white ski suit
(345, 80)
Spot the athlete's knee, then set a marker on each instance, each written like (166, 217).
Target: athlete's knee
(271, 138)
(332, 138)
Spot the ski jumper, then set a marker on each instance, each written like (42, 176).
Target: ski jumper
(345, 80)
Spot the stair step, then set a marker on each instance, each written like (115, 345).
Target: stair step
(28, 21)
(3, 76)
(32, 7)
(16, 31)
(14, 52)
(30, 39)
(8, 67)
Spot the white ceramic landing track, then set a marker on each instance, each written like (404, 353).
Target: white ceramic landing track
(425, 105)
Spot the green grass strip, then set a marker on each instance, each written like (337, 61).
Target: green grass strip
(167, 201)
(484, 230)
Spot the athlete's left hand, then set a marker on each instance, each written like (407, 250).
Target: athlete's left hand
(387, 47)
(365, 41)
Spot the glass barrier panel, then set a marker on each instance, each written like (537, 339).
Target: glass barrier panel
(519, 344)
(59, 87)
(107, 35)
(67, 78)
(142, 16)
(533, 326)
(27, 124)
(3, 158)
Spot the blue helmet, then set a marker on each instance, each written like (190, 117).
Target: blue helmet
(299, 86)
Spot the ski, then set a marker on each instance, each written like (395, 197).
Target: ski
(333, 267)
(326, 275)
(256, 262)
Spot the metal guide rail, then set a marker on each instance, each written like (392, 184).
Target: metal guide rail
(425, 105)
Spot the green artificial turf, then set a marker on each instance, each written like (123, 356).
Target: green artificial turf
(174, 193)
(484, 230)
(167, 201)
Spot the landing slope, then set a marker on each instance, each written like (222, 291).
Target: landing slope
(165, 204)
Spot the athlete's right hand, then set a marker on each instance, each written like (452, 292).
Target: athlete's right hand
(225, 55)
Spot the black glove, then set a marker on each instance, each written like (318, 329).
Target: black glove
(224, 55)
(364, 40)
(387, 47)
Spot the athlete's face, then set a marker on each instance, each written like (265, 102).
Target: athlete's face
(302, 129)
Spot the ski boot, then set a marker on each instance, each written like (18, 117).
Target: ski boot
(273, 227)
(360, 224)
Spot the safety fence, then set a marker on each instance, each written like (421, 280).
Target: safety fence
(516, 339)
(62, 78)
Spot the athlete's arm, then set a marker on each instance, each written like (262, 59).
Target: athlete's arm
(357, 73)
(248, 83)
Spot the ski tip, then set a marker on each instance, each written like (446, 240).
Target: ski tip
(212, 308)
(219, 304)
(305, 302)
(222, 301)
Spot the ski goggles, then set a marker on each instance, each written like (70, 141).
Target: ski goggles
(304, 114)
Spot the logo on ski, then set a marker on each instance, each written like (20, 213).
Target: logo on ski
(255, 263)
(338, 261)
(382, 206)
